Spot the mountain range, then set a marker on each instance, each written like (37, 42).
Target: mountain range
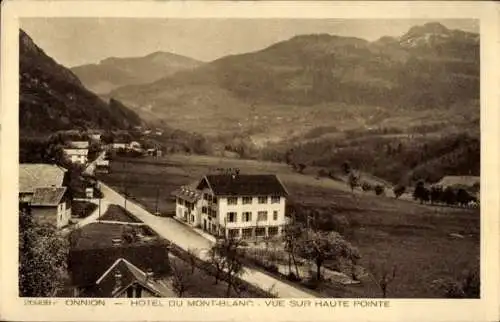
(51, 97)
(113, 72)
(321, 80)
(401, 108)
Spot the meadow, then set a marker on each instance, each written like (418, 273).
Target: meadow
(424, 242)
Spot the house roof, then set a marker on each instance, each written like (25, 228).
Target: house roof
(79, 144)
(39, 175)
(48, 196)
(99, 235)
(89, 257)
(76, 151)
(245, 185)
(467, 181)
(187, 193)
(130, 274)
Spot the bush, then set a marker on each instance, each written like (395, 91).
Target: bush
(366, 186)
(292, 277)
(379, 189)
(322, 173)
(399, 190)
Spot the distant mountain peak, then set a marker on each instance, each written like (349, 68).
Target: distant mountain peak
(114, 72)
(432, 33)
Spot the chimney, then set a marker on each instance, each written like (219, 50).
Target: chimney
(118, 279)
(149, 275)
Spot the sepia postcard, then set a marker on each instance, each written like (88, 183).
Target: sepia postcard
(227, 161)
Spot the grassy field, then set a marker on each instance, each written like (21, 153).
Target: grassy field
(82, 209)
(416, 238)
(118, 213)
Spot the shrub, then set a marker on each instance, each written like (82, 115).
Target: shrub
(379, 189)
(399, 190)
(292, 277)
(366, 186)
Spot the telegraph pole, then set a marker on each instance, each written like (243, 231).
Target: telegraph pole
(157, 198)
(100, 197)
(125, 184)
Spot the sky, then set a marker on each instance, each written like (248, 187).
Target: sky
(77, 41)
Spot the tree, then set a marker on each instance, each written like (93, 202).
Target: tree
(421, 193)
(181, 278)
(436, 194)
(417, 193)
(229, 257)
(217, 262)
(379, 189)
(466, 286)
(320, 246)
(353, 181)
(399, 190)
(192, 258)
(449, 196)
(425, 195)
(383, 277)
(107, 137)
(463, 197)
(292, 233)
(43, 254)
(346, 167)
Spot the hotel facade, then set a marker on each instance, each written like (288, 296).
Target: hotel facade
(234, 206)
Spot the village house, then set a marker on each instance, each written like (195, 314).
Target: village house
(79, 156)
(79, 144)
(42, 187)
(234, 205)
(103, 263)
(102, 166)
(154, 152)
(125, 280)
(119, 145)
(95, 137)
(134, 145)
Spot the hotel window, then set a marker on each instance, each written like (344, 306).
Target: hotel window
(247, 232)
(262, 216)
(262, 200)
(247, 216)
(234, 233)
(247, 200)
(232, 200)
(260, 232)
(272, 231)
(205, 196)
(204, 210)
(231, 217)
(275, 199)
(275, 215)
(214, 200)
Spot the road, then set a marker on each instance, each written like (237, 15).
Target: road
(186, 238)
